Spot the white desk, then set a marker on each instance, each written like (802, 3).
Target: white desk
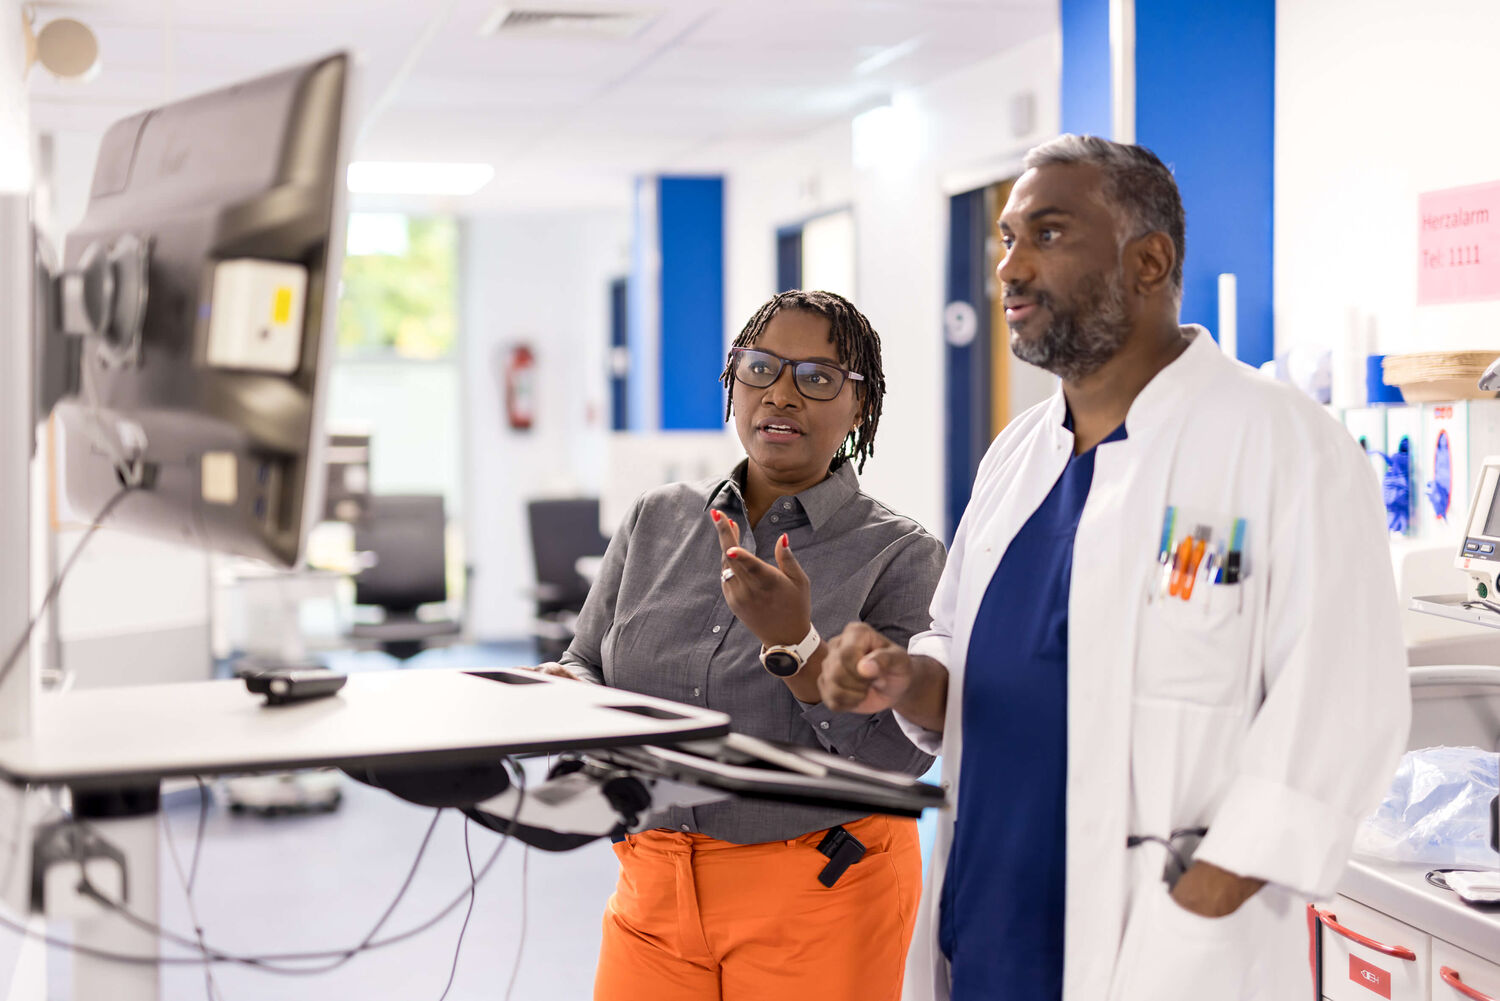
(125, 740)
(133, 736)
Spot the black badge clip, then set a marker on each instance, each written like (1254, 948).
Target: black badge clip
(843, 850)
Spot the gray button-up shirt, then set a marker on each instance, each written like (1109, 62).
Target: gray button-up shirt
(656, 622)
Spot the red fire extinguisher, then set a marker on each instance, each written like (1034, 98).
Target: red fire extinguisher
(520, 387)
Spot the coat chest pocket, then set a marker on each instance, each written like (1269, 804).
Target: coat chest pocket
(1198, 650)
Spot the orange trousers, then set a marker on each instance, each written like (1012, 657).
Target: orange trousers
(697, 919)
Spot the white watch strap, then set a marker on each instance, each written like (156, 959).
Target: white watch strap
(809, 644)
(803, 651)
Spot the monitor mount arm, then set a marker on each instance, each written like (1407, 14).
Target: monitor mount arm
(104, 299)
(100, 303)
(99, 307)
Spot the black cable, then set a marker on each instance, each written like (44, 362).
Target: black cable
(15, 654)
(264, 962)
(198, 839)
(473, 888)
(406, 885)
(187, 879)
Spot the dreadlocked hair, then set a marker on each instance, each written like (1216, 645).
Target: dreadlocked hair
(858, 348)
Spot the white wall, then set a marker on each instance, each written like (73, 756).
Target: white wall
(828, 250)
(1376, 102)
(542, 279)
(950, 136)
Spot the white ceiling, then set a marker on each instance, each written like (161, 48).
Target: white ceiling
(564, 120)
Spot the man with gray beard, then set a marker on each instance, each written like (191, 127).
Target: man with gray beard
(1164, 669)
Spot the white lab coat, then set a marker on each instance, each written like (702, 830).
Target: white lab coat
(1273, 715)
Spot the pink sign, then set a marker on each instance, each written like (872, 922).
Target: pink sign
(1458, 245)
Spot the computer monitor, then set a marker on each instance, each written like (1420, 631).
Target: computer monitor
(198, 296)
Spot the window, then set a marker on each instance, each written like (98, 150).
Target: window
(397, 374)
(399, 289)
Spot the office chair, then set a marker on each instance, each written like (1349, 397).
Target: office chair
(405, 539)
(562, 531)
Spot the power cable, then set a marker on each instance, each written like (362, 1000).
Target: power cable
(14, 656)
(265, 962)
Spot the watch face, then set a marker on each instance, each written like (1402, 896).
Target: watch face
(782, 664)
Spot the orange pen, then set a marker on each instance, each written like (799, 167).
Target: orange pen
(1179, 564)
(1200, 545)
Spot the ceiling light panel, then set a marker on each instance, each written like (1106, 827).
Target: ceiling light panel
(566, 22)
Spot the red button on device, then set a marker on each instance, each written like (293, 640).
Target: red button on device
(1371, 977)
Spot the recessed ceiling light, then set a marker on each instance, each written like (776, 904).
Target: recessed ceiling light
(372, 178)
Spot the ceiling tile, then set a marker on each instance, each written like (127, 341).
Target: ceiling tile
(699, 88)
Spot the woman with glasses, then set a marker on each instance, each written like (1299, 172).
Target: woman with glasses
(718, 594)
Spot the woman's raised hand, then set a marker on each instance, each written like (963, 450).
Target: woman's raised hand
(774, 602)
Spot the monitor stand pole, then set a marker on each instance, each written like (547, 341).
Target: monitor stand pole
(17, 425)
(17, 428)
(129, 820)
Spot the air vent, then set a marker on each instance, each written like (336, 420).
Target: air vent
(558, 22)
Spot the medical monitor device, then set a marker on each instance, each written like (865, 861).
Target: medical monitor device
(195, 307)
(1479, 552)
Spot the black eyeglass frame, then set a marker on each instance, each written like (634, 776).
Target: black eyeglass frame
(736, 353)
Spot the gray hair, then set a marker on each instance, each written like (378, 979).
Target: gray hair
(1138, 186)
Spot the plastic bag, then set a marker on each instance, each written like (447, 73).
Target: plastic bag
(1437, 811)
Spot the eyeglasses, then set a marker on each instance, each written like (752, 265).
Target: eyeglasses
(815, 380)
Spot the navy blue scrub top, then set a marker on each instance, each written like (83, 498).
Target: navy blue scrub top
(1001, 921)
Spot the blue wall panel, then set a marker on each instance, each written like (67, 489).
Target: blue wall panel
(1205, 103)
(967, 366)
(690, 212)
(789, 258)
(1086, 106)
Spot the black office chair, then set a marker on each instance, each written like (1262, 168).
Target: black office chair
(405, 539)
(562, 531)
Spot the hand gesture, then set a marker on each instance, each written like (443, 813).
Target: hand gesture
(774, 602)
(864, 672)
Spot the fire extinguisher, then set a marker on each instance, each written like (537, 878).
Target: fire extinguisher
(520, 387)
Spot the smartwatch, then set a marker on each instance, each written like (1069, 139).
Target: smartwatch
(785, 661)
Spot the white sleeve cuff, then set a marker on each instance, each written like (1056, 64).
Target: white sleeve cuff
(1266, 830)
(927, 741)
(930, 644)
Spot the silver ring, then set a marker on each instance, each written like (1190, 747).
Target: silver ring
(726, 574)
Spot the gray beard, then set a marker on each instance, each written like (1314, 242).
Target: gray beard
(1079, 341)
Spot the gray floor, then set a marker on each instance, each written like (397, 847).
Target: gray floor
(321, 882)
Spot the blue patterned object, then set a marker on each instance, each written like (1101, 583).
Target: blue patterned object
(1440, 487)
(1396, 486)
